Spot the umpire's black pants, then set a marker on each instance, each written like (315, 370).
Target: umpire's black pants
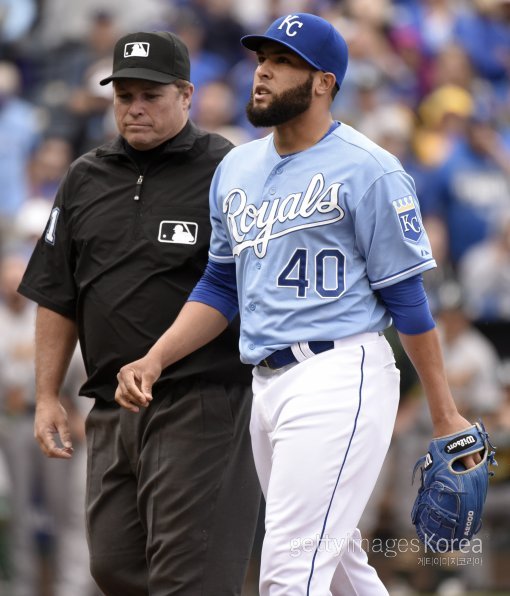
(172, 494)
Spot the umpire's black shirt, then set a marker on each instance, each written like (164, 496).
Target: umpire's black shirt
(121, 252)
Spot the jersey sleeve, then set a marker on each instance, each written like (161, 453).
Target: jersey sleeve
(48, 279)
(408, 305)
(217, 288)
(390, 233)
(220, 249)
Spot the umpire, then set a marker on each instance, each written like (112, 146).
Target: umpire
(172, 495)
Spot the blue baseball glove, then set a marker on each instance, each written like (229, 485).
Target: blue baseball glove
(447, 511)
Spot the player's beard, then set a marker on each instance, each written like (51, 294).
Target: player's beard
(283, 107)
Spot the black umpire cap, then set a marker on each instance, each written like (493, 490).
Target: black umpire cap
(160, 57)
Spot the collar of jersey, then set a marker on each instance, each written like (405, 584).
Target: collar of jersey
(334, 125)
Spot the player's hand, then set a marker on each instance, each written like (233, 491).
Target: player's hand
(50, 420)
(135, 383)
(452, 425)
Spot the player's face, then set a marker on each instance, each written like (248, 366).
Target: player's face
(147, 113)
(282, 86)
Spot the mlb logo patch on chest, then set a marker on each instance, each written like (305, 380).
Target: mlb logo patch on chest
(408, 217)
(178, 232)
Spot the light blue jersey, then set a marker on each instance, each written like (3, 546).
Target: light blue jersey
(312, 236)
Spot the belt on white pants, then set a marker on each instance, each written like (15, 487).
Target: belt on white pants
(301, 351)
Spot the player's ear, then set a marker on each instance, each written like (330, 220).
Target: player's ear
(325, 83)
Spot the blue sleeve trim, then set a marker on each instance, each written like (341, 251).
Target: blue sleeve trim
(408, 305)
(405, 273)
(221, 259)
(218, 288)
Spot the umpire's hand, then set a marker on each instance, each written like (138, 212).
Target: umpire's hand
(51, 420)
(135, 383)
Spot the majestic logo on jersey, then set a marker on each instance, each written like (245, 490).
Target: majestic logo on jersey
(178, 232)
(136, 49)
(408, 218)
(316, 203)
(290, 21)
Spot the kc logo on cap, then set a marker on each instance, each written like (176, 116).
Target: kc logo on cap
(291, 21)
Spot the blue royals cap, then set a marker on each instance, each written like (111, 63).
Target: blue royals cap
(311, 37)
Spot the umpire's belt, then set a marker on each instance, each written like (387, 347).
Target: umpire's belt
(297, 353)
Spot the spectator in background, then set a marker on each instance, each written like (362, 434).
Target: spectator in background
(453, 67)
(222, 30)
(373, 64)
(29, 469)
(28, 224)
(16, 19)
(214, 111)
(497, 517)
(277, 8)
(470, 359)
(484, 32)
(253, 14)
(62, 22)
(431, 21)
(68, 570)
(88, 102)
(392, 127)
(364, 94)
(443, 116)
(207, 66)
(484, 272)
(502, 420)
(47, 166)
(472, 189)
(17, 319)
(19, 133)
(68, 84)
(5, 509)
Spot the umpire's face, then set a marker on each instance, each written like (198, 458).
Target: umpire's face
(147, 113)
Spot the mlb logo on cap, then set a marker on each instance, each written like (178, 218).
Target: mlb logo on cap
(158, 56)
(138, 48)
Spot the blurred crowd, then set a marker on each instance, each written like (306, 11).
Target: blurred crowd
(427, 79)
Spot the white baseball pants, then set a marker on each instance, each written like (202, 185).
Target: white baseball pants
(320, 431)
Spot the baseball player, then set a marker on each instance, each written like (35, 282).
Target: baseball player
(317, 239)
